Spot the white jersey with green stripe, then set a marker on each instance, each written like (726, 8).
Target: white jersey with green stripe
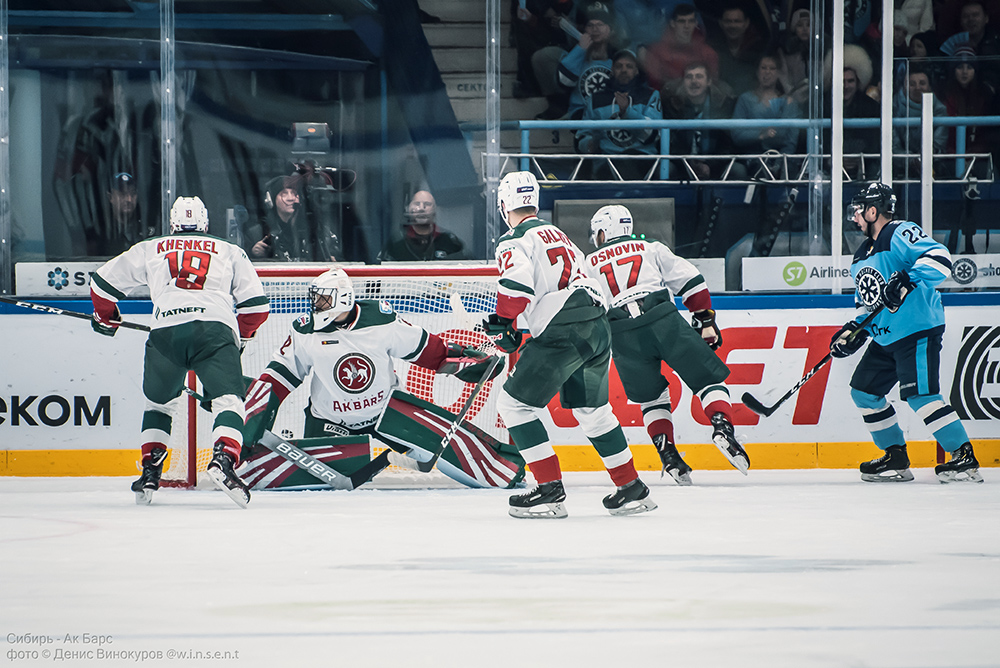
(631, 267)
(191, 277)
(540, 268)
(352, 368)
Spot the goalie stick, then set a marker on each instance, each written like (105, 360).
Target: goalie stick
(458, 308)
(73, 314)
(759, 408)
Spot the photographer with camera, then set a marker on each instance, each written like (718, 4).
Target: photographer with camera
(286, 232)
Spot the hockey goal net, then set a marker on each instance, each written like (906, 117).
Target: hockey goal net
(423, 295)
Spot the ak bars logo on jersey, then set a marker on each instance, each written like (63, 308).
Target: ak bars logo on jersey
(975, 389)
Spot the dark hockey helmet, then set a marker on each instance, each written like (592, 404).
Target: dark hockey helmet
(875, 194)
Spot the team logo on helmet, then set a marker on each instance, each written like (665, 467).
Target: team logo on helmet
(870, 285)
(354, 373)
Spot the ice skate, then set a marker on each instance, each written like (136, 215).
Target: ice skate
(630, 499)
(672, 461)
(893, 466)
(220, 470)
(149, 481)
(543, 502)
(724, 437)
(963, 466)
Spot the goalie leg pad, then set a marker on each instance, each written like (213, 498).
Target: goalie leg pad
(268, 470)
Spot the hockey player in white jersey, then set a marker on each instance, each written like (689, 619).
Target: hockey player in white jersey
(349, 346)
(543, 287)
(194, 282)
(640, 277)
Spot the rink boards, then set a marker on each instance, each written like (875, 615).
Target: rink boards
(71, 401)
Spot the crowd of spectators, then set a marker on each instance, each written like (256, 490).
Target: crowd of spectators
(743, 59)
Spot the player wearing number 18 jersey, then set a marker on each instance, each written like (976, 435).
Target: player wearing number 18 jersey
(543, 285)
(640, 278)
(194, 282)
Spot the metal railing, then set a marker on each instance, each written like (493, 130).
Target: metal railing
(794, 169)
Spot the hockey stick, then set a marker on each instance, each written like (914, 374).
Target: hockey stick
(314, 467)
(756, 406)
(458, 308)
(74, 314)
(426, 467)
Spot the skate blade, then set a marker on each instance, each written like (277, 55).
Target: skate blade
(972, 475)
(741, 462)
(144, 497)
(888, 476)
(634, 507)
(545, 511)
(239, 497)
(682, 479)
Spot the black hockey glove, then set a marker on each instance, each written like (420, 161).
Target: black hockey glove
(506, 337)
(896, 289)
(468, 364)
(848, 340)
(106, 327)
(704, 322)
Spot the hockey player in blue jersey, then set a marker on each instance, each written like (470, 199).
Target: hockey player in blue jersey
(899, 266)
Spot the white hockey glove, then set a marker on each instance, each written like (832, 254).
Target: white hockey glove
(704, 322)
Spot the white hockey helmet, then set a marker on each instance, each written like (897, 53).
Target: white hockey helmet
(188, 214)
(330, 294)
(517, 190)
(614, 220)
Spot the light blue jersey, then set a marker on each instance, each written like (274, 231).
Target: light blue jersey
(901, 246)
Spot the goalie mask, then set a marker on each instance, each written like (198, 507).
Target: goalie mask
(517, 190)
(614, 220)
(188, 214)
(330, 295)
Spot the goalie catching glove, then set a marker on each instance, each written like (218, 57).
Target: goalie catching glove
(896, 289)
(848, 340)
(468, 364)
(108, 326)
(704, 322)
(506, 337)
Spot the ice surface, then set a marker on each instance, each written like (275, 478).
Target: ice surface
(782, 568)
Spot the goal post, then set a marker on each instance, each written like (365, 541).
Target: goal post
(420, 294)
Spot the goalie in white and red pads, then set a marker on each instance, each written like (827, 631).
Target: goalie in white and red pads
(349, 346)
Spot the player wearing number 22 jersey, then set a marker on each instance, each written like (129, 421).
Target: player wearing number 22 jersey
(544, 287)
(640, 277)
(206, 298)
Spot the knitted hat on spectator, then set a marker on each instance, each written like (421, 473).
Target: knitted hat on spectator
(279, 183)
(598, 11)
(855, 58)
(964, 53)
(123, 181)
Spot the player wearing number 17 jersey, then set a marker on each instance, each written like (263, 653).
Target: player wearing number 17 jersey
(544, 287)
(194, 280)
(640, 277)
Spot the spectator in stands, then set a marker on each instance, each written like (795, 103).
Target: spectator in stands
(535, 26)
(857, 76)
(681, 43)
(766, 101)
(917, 15)
(125, 226)
(977, 33)
(285, 233)
(699, 98)
(908, 105)
(587, 67)
(625, 97)
(422, 239)
(739, 48)
(794, 55)
(925, 53)
(966, 95)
